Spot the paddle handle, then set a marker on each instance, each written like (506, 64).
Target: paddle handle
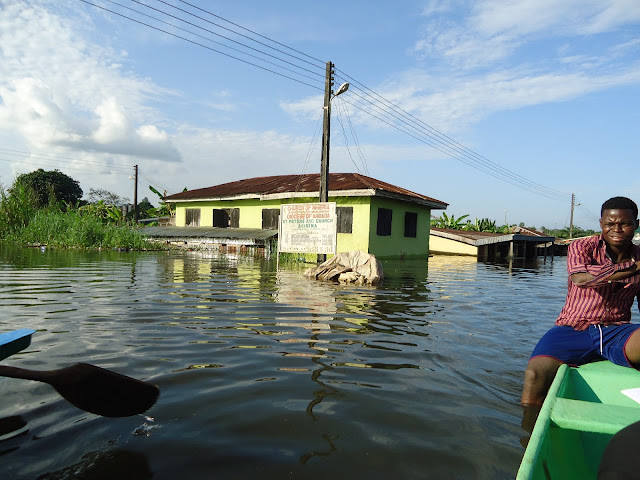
(16, 372)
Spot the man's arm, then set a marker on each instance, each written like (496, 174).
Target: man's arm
(584, 277)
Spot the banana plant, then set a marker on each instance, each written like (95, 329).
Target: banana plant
(449, 222)
(164, 209)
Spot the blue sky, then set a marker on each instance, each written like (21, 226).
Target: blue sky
(548, 90)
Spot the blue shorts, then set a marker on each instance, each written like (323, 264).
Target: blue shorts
(598, 342)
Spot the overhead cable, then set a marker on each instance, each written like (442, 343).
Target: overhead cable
(255, 33)
(453, 148)
(230, 30)
(319, 74)
(203, 46)
(463, 159)
(394, 115)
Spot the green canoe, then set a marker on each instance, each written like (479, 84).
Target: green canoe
(584, 408)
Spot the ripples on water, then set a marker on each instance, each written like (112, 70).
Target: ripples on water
(268, 374)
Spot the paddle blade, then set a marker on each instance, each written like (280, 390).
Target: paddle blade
(103, 392)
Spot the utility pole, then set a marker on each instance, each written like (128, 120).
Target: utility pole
(573, 203)
(326, 130)
(135, 196)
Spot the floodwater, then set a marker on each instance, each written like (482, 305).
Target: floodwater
(268, 374)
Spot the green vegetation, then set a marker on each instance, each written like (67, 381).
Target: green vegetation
(97, 194)
(73, 229)
(487, 225)
(48, 187)
(564, 232)
(25, 217)
(164, 209)
(16, 208)
(482, 225)
(450, 222)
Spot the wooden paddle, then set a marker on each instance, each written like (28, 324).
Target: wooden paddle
(94, 389)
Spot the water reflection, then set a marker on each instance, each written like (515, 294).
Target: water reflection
(270, 373)
(110, 465)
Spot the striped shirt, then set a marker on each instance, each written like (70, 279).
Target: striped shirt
(598, 301)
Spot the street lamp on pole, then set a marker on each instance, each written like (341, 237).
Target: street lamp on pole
(326, 130)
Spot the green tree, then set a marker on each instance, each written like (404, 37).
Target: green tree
(50, 186)
(564, 232)
(144, 207)
(110, 198)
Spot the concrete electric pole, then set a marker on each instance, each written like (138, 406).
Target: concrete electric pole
(135, 196)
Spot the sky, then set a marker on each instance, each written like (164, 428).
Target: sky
(501, 108)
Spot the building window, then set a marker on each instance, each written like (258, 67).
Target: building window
(270, 218)
(226, 217)
(410, 224)
(345, 219)
(192, 217)
(384, 222)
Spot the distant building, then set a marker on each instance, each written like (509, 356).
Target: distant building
(487, 246)
(373, 216)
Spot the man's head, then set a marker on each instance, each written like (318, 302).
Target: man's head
(620, 203)
(618, 220)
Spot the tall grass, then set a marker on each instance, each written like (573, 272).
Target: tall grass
(16, 209)
(70, 229)
(23, 222)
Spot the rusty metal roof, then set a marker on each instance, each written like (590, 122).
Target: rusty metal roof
(486, 238)
(282, 185)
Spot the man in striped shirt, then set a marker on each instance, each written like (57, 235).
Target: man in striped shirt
(604, 280)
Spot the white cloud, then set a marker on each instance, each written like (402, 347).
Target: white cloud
(58, 89)
(493, 30)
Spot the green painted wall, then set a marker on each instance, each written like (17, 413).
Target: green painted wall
(358, 239)
(397, 245)
(365, 215)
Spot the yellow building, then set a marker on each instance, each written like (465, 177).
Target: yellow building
(373, 216)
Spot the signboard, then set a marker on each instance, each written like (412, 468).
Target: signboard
(308, 228)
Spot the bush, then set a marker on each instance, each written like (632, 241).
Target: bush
(70, 229)
(17, 208)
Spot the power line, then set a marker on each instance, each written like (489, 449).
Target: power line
(69, 167)
(355, 137)
(431, 143)
(153, 182)
(255, 33)
(201, 45)
(219, 35)
(237, 33)
(316, 134)
(453, 148)
(346, 141)
(402, 120)
(42, 156)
